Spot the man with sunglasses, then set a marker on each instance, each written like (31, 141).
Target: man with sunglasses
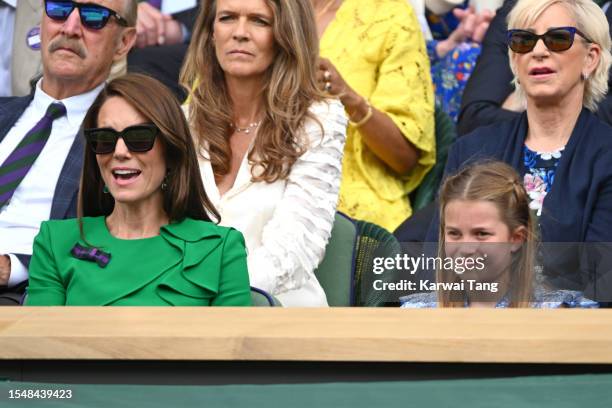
(40, 138)
(489, 95)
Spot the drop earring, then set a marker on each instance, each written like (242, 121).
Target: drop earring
(105, 189)
(164, 184)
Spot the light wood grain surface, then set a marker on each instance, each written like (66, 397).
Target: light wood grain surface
(339, 334)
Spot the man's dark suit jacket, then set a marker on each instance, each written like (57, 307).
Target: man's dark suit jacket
(164, 62)
(489, 85)
(65, 197)
(577, 209)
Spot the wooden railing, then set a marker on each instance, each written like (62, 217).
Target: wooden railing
(283, 334)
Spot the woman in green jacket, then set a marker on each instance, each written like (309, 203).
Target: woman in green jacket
(143, 236)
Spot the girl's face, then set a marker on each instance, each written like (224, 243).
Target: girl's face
(475, 229)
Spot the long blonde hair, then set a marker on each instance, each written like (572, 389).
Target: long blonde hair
(497, 183)
(290, 88)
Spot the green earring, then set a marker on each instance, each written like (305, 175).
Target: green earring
(105, 189)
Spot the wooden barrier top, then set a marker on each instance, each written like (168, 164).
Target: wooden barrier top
(283, 334)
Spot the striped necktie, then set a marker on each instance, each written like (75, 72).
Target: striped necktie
(19, 162)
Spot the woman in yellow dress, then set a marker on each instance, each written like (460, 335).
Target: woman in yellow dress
(376, 62)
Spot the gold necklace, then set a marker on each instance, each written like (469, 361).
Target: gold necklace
(247, 129)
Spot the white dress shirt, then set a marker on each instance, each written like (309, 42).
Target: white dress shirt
(7, 27)
(286, 224)
(31, 202)
(176, 6)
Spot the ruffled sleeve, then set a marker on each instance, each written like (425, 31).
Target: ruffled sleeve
(294, 239)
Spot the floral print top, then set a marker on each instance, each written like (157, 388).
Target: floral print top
(451, 73)
(540, 175)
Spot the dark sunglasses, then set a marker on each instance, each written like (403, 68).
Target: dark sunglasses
(138, 138)
(556, 39)
(93, 16)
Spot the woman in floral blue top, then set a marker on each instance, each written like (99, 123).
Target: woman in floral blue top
(561, 149)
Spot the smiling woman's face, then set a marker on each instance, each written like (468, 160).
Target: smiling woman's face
(243, 37)
(132, 178)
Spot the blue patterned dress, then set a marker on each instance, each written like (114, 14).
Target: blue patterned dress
(543, 299)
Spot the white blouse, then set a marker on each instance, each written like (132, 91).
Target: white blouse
(286, 224)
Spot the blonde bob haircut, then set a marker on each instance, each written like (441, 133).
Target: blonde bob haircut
(289, 89)
(591, 20)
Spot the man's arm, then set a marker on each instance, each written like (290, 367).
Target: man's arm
(156, 28)
(490, 84)
(13, 269)
(5, 269)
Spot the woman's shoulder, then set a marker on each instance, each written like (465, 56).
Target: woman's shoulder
(328, 116)
(192, 230)
(69, 226)
(490, 133)
(487, 141)
(561, 298)
(330, 107)
(599, 134)
(62, 234)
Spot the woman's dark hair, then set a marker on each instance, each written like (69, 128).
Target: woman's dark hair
(184, 194)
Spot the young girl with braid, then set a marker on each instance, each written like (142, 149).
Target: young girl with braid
(488, 244)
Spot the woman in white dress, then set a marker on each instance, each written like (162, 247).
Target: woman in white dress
(270, 141)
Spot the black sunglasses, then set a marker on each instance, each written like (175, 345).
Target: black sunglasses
(556, 39)
(138, 138)
(92, 15)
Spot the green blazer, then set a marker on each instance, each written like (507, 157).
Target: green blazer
(191, 263)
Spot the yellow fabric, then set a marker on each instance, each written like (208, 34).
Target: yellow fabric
(378, 48)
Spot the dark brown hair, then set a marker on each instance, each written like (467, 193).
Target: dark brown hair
(184, 195)
(289, 90)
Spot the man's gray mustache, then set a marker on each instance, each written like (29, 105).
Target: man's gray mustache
(73, 45)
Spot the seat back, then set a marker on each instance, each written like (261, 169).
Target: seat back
(445, 136)
(336, 270)
(373, 241)
(260, 297)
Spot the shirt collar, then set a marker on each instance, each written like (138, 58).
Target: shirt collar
(11, 3)
(76, 106)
